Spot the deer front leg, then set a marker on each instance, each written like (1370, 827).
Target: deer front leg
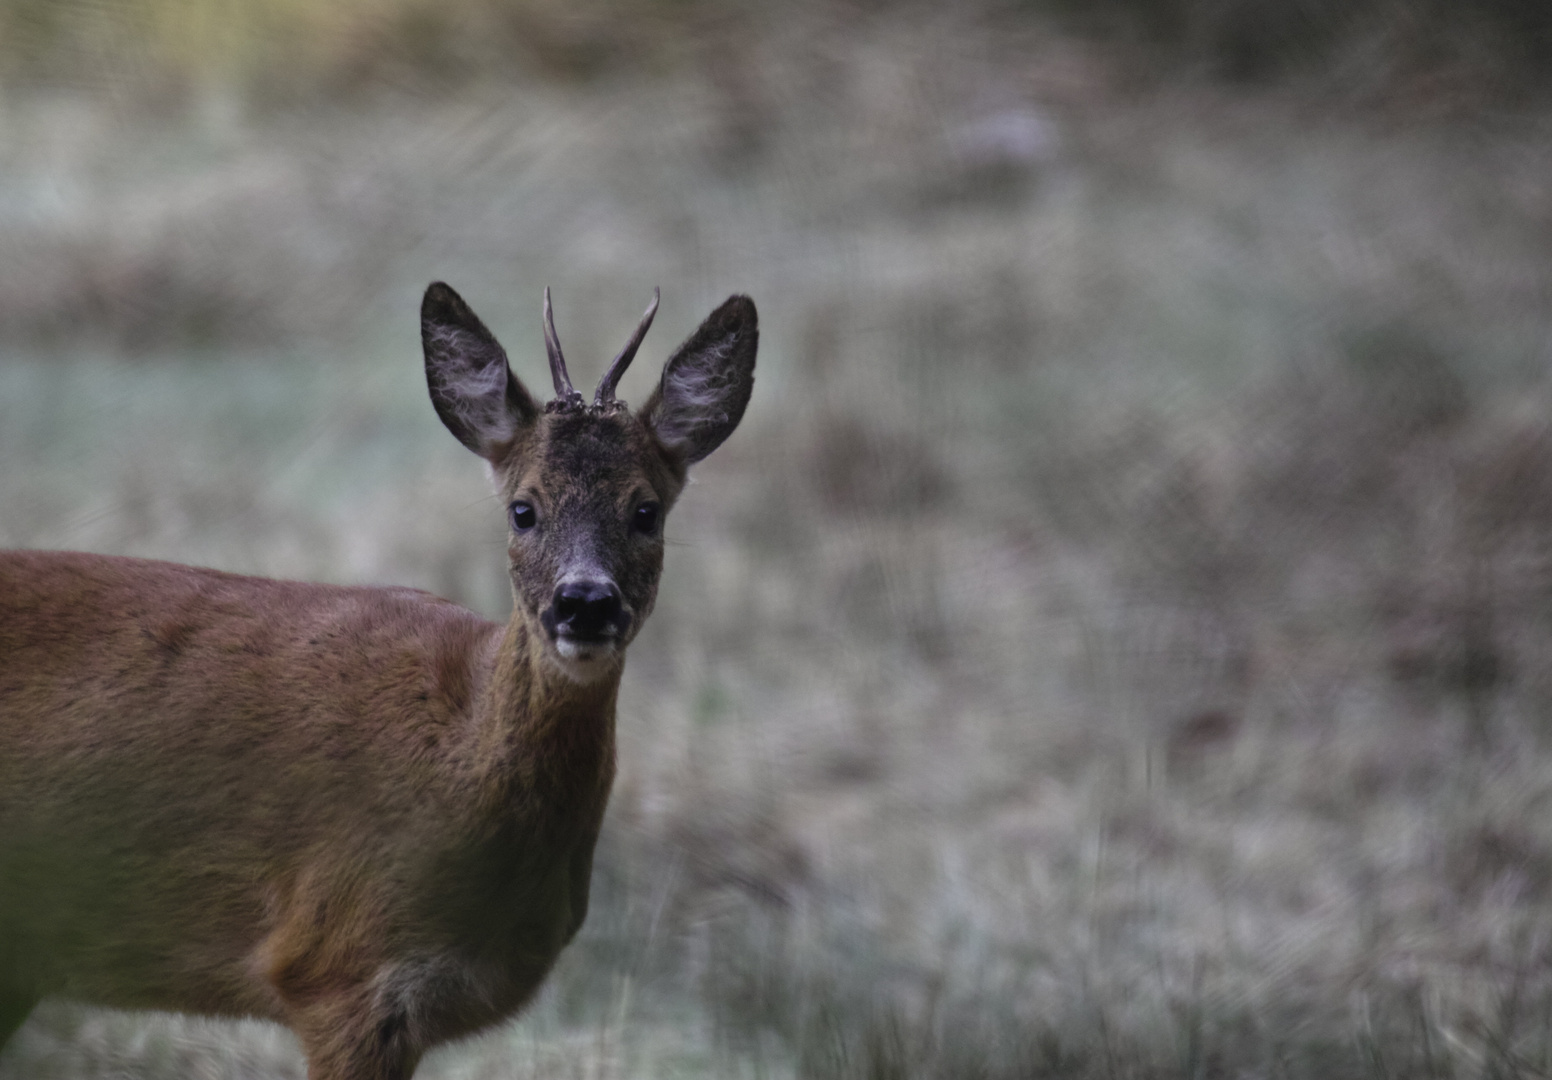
(335, 1001)
(348, 1035)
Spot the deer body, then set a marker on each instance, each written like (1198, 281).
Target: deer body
(365, 813)
(347, 792)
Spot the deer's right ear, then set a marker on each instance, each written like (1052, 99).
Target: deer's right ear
(473, 389)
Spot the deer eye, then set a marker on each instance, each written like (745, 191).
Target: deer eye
(522, 516)
(645, 519)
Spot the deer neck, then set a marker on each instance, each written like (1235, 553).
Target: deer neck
(543, 735)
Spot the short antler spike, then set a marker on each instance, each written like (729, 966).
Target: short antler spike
(611, 379)
(564, 391)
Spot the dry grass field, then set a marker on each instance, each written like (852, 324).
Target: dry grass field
(1118, 642)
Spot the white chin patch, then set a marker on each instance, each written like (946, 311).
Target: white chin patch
(584, 661)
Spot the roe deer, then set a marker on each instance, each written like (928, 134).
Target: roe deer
(365, 813)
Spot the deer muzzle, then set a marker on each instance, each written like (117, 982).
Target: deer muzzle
(586, 618)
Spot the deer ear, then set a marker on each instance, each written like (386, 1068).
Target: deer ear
(706, 383)
(474, 391)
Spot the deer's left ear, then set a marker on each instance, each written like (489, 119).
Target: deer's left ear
(706, 383)
(473, 389)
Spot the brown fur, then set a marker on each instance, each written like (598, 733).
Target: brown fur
(362, 812)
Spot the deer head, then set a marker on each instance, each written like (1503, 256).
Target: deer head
(587, 486)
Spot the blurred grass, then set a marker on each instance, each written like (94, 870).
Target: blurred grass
(1116, 644)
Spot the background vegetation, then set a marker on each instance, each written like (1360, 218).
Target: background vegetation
(1117, 643)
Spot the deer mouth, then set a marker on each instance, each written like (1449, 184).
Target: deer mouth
(586, 659)
(585, 648)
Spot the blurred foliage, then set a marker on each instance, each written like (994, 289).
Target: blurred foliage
(289, 49)
(1498, 42)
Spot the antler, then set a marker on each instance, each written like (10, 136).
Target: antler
(564, 391)
(611, 379)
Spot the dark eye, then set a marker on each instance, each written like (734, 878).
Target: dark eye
(645, 520)
(522, 516)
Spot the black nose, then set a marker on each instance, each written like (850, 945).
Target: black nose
(588, 609)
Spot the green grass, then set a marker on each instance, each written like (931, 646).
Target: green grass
(1115, 645)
